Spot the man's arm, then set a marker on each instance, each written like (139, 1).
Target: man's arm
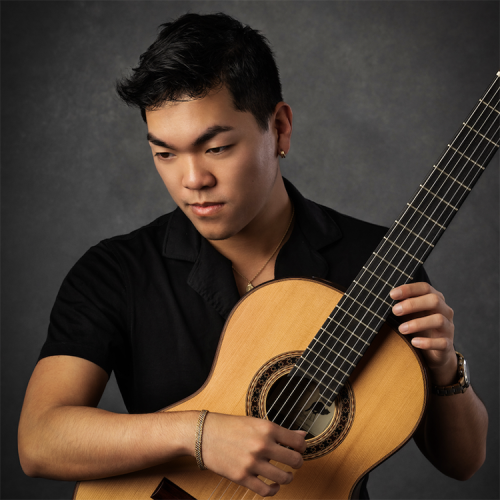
(452, 434)
(62, 435)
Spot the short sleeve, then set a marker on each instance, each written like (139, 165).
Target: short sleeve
(89, 316)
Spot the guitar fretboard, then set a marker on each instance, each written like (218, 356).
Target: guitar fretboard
(348, 331)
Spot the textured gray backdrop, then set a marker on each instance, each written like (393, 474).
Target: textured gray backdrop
(377, 89)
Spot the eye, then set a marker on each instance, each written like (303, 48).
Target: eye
(219, 150)
(164, 155)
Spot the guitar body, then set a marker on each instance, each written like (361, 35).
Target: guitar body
(381, 409)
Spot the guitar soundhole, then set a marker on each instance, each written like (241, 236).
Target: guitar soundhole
(297, 403)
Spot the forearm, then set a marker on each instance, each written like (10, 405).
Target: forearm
(77, 443)
(453, 433)
(63, 436)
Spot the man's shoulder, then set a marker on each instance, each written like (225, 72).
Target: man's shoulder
(142, 243)
(150, 230)
(352, 227)
(325, 226)
(152, 233)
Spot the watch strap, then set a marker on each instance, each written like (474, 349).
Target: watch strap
(458, 388)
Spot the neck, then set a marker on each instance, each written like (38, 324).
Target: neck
(253, 245)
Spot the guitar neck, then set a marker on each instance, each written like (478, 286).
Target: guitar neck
(348, 331)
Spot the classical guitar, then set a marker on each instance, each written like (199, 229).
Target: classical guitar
(358, 387)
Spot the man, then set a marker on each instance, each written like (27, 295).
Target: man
(151, 305)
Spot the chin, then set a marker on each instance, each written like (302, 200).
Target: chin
(215, 234)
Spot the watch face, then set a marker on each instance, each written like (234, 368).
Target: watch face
(466, 374)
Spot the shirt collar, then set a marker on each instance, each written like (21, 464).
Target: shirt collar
(211, 275)
(313, 230)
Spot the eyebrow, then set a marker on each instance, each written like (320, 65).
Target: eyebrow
(210, 133)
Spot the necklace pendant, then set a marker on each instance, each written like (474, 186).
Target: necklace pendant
(249, 286)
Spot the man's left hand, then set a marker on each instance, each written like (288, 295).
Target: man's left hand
(430, 321)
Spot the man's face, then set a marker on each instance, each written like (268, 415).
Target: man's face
(217, 164)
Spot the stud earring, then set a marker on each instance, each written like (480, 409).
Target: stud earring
(282, 154)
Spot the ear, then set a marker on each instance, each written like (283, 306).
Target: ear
(281, 122)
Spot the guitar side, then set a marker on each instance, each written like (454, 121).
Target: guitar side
(389, 388)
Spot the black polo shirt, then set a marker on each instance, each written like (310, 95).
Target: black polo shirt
(151, 304)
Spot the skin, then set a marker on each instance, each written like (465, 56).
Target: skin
(229, 184)
(223, 172)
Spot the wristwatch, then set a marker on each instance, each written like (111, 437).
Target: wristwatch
(463, 380)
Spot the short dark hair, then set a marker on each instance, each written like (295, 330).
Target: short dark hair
(198, 53)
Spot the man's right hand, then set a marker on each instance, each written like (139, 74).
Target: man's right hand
(242, 448)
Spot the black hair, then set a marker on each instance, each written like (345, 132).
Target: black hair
(198, 53)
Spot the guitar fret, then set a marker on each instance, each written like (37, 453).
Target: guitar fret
(362, 305)
(314, 352)
(326, 373)
(392, 265)
(359, 321)
(316, 379)
(403, 250)
(331, 350)
(425, 215)
(373, 293)
(414, 234)
(347, 330)
(439, 198)
(483, 136)
(489, 106)
(378, 277)
(452, 178)
(339, 340)
(466, 157)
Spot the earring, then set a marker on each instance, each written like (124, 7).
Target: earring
(282, 154)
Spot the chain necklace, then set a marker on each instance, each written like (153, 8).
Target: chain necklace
(249, 282)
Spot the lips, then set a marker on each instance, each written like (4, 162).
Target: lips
(206, 209)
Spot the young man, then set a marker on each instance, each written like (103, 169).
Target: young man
(151, 305)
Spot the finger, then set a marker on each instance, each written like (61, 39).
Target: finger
(292, 439)
(412, 290)
(260, 487)
(274, 473)
(431, 344)
(430, 302)
(436, 323)
(286, 456)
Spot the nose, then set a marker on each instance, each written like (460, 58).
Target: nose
(196, 175)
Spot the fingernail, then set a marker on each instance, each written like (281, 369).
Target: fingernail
(396, 293)
(416, 342)
(397, 309)
(403, 328)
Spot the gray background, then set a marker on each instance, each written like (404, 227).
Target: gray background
(377, 89)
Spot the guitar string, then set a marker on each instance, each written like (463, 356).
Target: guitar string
(398, 266)
(454, 154)
(439, 175)
(218, 484)
(481, 141)
(450, 159)
(264, 480)
(468, 133)
(418, 218)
